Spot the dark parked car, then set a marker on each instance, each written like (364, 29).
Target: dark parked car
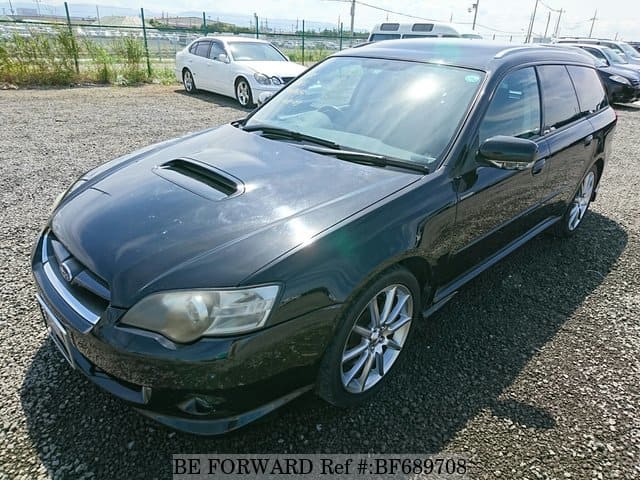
(621, 83)
(212, 278)
(624, 49)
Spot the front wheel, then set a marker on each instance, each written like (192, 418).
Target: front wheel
(373, 331)
(243, 93)
(578, 207)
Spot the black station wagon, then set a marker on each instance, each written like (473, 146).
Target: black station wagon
(210, 279)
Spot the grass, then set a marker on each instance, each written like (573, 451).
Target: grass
(50, 60)
(312, 55)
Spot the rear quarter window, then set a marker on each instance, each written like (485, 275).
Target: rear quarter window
(559, 102)
(591, 94)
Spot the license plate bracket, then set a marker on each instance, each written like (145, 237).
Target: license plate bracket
(57, 332)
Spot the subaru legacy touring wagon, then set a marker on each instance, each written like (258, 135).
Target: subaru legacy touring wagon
(210, 279)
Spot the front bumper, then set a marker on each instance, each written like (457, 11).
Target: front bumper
(625, 93)
(208, 387)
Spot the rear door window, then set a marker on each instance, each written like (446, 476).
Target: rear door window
(559, 100)
(591, 94)
(202, 50)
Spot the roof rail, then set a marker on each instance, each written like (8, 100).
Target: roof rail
(507, 51)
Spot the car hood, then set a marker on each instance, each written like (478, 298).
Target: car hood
(619, 69)
(629, 67)
(145, 226)
(279, 69)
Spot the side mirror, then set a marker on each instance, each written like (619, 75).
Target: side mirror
(508, 153)
(263, 97)
(223, 58)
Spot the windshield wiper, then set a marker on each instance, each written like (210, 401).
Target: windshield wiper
(279, 132)
(368, 158)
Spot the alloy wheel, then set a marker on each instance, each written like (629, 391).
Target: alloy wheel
(376, 339)
(243, 93)
(581, 201)
(188, 81)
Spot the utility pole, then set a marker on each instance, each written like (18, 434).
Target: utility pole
(353, 15)
(533, 19)
(593, 21)
(98, 15)
(546, 29)
(475, 13)
(557, 30)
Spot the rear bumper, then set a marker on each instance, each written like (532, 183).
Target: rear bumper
(208, 387)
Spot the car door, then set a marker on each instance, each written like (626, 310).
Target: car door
(497, 206)
(199, 65)
(568, 132)
(218, 68)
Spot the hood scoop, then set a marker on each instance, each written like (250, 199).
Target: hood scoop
(200, 178)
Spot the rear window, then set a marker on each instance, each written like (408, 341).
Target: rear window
(591, 94)
(559, 101)
(389, 27)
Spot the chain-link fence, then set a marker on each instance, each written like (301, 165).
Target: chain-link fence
(62, 46)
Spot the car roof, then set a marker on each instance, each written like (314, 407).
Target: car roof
(234, 38)
(478, 54)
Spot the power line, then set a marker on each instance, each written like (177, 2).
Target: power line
(556, 10)
(376, 7)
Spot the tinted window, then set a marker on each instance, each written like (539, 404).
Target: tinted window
(515, 107)
(591, 95)
(596, 53)
(202, 49)
(559, 99)
(422, 27)
(376, 37)
(389, 26)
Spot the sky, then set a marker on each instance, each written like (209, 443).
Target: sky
(508, 17)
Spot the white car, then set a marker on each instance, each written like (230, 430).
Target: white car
(238, 67)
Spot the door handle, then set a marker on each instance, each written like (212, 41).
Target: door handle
(588, 140)
(538, 166)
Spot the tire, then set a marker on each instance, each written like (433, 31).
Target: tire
(243, 93)
(188, 81)
(358, 345)
(579, 206)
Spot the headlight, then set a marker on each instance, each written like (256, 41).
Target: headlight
(262, 79)
(184, 316)
(276, 81)
(619, 79)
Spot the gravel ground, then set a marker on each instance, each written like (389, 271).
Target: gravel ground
(532, 370)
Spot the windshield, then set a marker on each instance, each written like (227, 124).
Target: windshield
(247, 51)
(613, 56)
(629, 50)
(406, 110)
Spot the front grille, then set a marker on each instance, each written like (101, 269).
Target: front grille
(286, 80)
(635, 82)
(84, 292)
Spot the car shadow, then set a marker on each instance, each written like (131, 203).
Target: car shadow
(214, 98)
(458, 365)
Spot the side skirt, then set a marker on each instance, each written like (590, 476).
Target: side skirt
(448, 291)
